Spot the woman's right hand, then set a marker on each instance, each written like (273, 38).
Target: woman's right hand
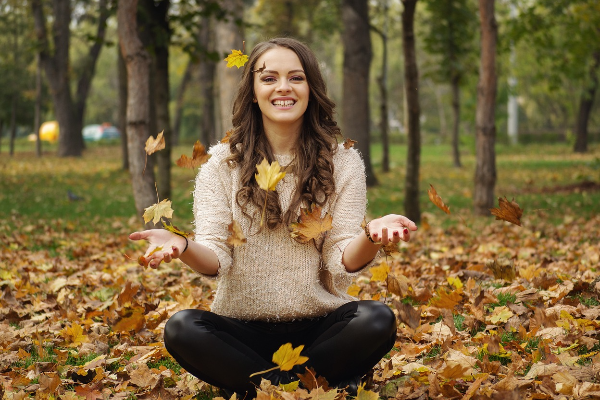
(171, 246)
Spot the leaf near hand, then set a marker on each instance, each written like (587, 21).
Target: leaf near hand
(236, 59)
(508, 211)
(380, 272)
(155, 212)
(154, 145)
(310, 224)
(236, 236)
(199, 157)
(268, 175)
(287, 357)
(437, 200)
(348, 143)
(176, 230)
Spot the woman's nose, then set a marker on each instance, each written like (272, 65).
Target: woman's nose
(284, 86)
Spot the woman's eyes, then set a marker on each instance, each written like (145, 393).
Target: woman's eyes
(272, 79)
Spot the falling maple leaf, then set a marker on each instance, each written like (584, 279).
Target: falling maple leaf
(176, 230)
(348, 143)
(310, 224)
(437, 200)
(286, 357)
(199, 157)
(508, 211)
(153, 145)
(261, 69)
(227, 136)
(380, 272)
(502, 268)
(156, 211)
(236, 236)
(267, 177)
(236, 59)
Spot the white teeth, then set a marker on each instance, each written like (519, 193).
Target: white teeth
(284, 103)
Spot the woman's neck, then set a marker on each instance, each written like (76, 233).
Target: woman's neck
(282, 139)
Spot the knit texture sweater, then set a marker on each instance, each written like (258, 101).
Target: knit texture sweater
(272, 277)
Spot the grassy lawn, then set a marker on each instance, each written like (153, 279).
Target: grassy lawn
(33, 191)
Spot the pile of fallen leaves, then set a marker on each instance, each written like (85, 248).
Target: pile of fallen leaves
(483, 312)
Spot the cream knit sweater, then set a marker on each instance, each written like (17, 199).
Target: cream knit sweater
(272, 277)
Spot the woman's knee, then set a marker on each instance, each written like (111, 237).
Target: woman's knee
(378, 316)
(179, 326)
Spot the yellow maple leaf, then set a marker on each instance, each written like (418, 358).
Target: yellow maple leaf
(289, 387)
(236, 59)
(380, 272)
(268, 175)
(176, 230)
(455, 281)
(353, 290)
(362, 394)
(156, 211)
(310, 225)
(153, 145)
(286, 357)
(199, 157)
(501, 314)
(74, 334)
(445, 299)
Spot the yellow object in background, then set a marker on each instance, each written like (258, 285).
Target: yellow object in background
(49, 131)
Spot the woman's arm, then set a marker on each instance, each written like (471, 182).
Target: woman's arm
(198, 257)
(390, 228)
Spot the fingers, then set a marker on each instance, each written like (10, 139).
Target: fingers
(138, 235)
(384, 236)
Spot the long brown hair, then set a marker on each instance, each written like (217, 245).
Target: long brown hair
(317, 143)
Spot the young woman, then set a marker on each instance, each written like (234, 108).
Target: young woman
(273, 289)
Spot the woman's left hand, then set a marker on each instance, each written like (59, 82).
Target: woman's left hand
(391, 228)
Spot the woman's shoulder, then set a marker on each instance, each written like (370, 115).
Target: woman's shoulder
(347, 157)
(219, 151)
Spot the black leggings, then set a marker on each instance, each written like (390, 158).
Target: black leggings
(224, 351)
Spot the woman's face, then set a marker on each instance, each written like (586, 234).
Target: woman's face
(281, 89)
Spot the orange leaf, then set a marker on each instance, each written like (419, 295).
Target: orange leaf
(446, 299)
(227, 136)
(236, 237)
(154, 145)
(133, 320)
(199, 157)
(348, 143)
(310, 225)
(437, 200)
(508, 211)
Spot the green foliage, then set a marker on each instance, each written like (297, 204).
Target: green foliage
(503, 299)
(434, 352)
(458, 322)
(166, 362)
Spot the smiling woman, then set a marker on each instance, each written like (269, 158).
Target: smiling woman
(278, 287)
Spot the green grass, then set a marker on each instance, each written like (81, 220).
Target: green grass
(33, 191)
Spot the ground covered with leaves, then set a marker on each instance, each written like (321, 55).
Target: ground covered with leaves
(486, 310)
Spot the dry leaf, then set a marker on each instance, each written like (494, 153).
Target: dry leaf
(176, 230)
(363, 394)
(227, 136)
(353, 290)
(446, 299)
(502, 268)
(236, 236)
(380, 272)
(155, 212)
(310, 224)
(501, 314)
(508, 211)
(153, 145)
(261, 69)
(437, 200)
(199, 157)
(236, 59)
(348, 143)
(268, 175)
(287, 357)
(74, 335)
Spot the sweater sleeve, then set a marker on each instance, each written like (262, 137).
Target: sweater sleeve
(212, 212)
(348, 213)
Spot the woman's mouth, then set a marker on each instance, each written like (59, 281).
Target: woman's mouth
(283, 103)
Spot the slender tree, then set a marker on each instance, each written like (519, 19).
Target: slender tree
(69, 108)
(382, 82)
(485, 170)
(138, 103)
(122, 73)
(357, 63)
(411, 85)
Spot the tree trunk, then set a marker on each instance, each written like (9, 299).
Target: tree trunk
(229, 36)
(586, 103)
(122, 69)
(37, 119)
(138, 104)
(455, 83)
(187, 77)
(485, 170)
(207, 69)
(69, 114)
(384, 125)
(13, 124)
(357, 63)
(411, 79)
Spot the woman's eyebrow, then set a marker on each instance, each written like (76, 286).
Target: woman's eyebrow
(269, 71)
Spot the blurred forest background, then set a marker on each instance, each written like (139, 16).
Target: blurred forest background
(63, 60)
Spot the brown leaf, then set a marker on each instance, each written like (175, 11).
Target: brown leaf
(128, 293)
(348, 143)
(445, 299)
(236, 236)
(199, 157)
(311, 381)
(261, 69)
(49, 382)
(508, 211)
(89, 392)
(310, 225)
(227, 136)
(153, 145)
(502, 268)
(132, 320)
(437, 200)
(408, 314)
